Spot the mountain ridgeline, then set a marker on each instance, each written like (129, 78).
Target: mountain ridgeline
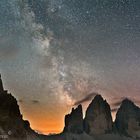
(98, 119)
(97, 122)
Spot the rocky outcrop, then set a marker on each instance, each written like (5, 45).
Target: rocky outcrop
(11, 123)
(74, 121)
(98, 119)
(128, 119)
(10, 117)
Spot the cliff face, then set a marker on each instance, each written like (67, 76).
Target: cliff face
(128, 119)
(10, 117)
(74, 121)
(11, 123)
(98, 119)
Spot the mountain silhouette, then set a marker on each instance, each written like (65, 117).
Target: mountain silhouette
(12, 125)
(98, 119)
(97, 124)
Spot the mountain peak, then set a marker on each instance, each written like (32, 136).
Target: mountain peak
(78, 109)
(74, 121)
(98, 119)
(128, 119)
(127, 102)
(98, 96)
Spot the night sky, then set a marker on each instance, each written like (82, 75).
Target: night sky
(55, 54)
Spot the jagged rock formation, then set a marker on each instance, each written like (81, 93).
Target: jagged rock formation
(11, 123)
(74, 121)
(98, 119)
(128, 119)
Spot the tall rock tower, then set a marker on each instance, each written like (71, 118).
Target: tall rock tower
(98, 119)
(74, 121)
(128, 119)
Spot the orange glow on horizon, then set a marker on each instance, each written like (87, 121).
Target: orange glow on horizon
(45, 125)
(45, 122)
(50, 124)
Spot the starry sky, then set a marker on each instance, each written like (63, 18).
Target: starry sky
(55, 54)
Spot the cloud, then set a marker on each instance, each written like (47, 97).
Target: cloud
(117, 101)
(31, 101)
(35, 101)
(85, 99)
(20, 101)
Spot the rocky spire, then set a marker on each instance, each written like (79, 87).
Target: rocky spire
(98, 119)
(1, 85)
(128, 119)
(74, 121)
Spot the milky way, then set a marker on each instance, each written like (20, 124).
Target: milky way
(58, 52)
